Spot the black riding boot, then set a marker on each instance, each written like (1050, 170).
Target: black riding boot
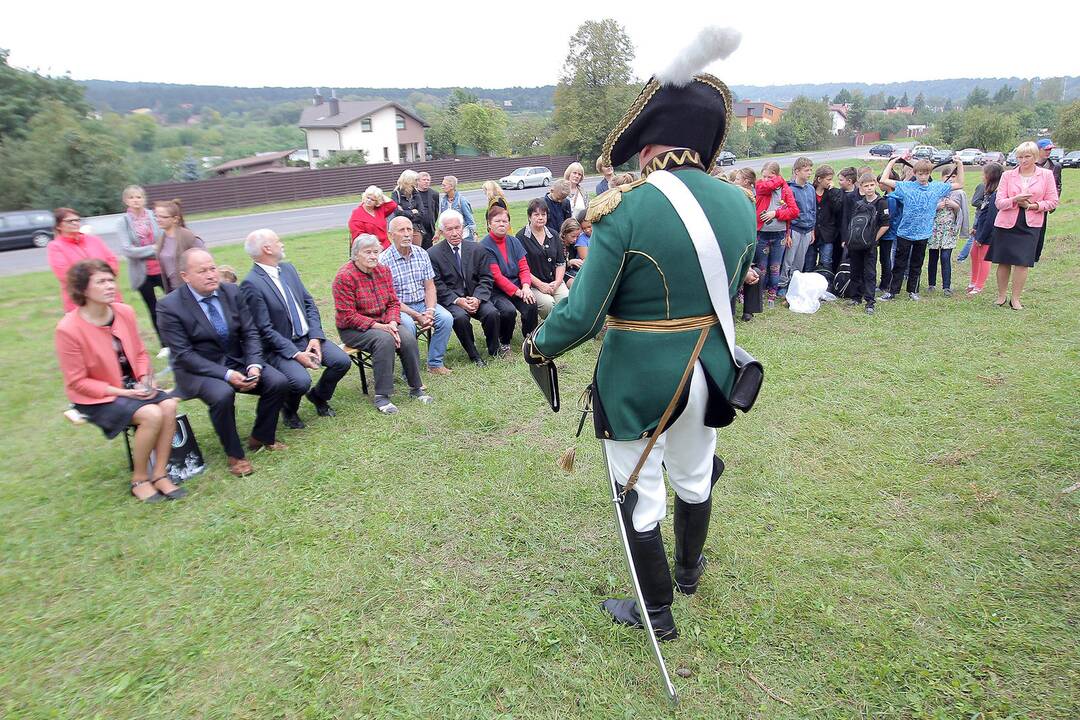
(691, 529)
(654, 576)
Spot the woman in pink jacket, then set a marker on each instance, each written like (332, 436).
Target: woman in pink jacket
(1024, 196)
(108, 378)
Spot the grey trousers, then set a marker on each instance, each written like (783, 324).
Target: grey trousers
(381, 346)
(795, 256)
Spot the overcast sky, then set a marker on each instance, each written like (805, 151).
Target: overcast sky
(337, 44)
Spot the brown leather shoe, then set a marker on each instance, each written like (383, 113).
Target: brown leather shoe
(240, 467)
(439, 370)
(255, 445)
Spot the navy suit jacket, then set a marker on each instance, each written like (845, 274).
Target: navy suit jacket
(194, 345)
(271, 316)
(449, 283)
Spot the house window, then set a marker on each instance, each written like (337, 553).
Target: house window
(331, 152)
(315, 152)
(386, 154)
(768, 111)
(365, 125)
(400, 122)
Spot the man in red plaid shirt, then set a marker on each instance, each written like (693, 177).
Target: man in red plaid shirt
(368, 313)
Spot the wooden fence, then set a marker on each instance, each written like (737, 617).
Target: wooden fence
(248, 190)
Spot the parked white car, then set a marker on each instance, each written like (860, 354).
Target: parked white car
(525, 177)
(969, 156)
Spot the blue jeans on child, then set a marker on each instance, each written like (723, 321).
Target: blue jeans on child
(770, 254)
(818, 255)
(440, 334)
(966, 250)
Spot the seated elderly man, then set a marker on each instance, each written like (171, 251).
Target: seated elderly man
(288, 322)
(414, 285)
(463, 284)
(368, 317)
(216, 352)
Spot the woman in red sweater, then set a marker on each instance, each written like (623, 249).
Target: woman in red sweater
(510, 268)
(370, 216)
(108, 377)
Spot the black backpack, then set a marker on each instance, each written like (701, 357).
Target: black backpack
(841, 283)
(862, 227)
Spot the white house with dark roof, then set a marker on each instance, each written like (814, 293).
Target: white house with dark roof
(384, 130)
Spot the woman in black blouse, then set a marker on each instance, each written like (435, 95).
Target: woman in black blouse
(546, 257)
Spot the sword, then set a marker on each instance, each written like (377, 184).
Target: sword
(616, 500)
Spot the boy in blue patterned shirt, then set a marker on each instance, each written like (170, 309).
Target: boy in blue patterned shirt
(919, 198)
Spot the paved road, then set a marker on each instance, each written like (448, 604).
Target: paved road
(222, 231)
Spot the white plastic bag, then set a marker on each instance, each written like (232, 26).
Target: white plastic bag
(806, 291)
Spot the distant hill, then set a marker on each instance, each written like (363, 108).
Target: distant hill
(955, 89)
(123, 97)
(177, 101)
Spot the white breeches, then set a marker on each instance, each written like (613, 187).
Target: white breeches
(686, 449)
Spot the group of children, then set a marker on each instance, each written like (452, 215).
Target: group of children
(846, 233)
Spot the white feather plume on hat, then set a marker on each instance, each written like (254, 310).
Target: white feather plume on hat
(712, 43)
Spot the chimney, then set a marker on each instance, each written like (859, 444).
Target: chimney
(334, 108)
(317, 99)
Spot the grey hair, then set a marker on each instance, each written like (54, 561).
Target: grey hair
(254, 243)
(185, 258)
(361, 242)
(390, 225)
(450, 179)
(450, 214)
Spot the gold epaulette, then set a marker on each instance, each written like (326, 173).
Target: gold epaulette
(607, 201)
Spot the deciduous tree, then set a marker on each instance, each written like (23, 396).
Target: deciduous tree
(483, 127)
(1067, 126)
(594, 88)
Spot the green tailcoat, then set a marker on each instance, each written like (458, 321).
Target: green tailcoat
(642, 266)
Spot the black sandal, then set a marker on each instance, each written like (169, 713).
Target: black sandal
(155, 498)
(175, 494)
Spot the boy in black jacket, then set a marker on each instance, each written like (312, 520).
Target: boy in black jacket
(849, 187)
(869, 220)
(827, 230)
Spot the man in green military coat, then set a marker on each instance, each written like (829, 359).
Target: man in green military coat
(644, 281)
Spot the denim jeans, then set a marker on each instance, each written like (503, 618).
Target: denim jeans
(440, 334)
(818, 255)
(770, 254)
(946, 267)
(966, 250)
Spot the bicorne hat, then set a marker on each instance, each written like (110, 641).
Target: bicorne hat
(680, 106)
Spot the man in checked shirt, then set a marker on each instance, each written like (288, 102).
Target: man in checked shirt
(368, 315)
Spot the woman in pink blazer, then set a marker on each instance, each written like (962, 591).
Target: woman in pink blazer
(108, 377)
(1024, 196)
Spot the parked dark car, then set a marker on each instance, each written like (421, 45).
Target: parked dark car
(883, 150)
(25, 228)
(1057, 154)
(991, 156)
(725, 158)
(922, 152)
(942, 155)
(1010, 161)
(1071, 160)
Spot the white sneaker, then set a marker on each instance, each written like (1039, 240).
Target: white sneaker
(163, 353)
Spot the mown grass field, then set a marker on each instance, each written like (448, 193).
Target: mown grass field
(890, 539)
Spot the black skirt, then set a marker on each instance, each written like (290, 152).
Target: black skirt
(114, 416)
(1017, 245)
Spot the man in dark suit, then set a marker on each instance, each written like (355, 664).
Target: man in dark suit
(288, 322)
(463, 285)
(216, 353)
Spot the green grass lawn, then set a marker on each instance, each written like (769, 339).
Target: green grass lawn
(890, 539)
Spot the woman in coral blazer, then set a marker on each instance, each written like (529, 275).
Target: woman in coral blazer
(1032, 190)
(108, 377)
